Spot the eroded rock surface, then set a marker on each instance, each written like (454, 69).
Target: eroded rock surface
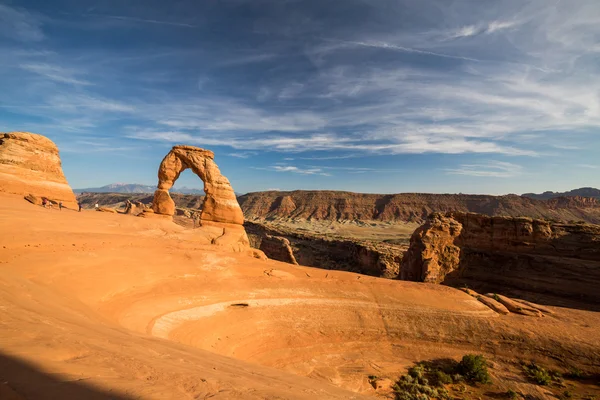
(506, 252)
(317, 250)
(278, 248)
(220, 209)
(30, 164)
(220, 203)
(327, 205)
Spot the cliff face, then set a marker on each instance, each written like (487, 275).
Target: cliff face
(500, 253)
(369, 258)
(413, 207)
(30, 164)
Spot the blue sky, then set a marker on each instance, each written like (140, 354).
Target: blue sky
(362, 95)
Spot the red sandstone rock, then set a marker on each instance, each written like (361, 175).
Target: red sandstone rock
(30, 164)
(504, 252)
(493, 304)
(513, 306)
(278, 248)
(220, 203)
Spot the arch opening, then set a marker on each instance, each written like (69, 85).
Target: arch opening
(220, 203)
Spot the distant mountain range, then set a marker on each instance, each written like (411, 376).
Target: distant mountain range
(583, 192)
(135, 188)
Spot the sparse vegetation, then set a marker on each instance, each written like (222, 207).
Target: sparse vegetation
(474, 369)
(537, 374)
(575, 373)
(496, 297)
(511, 394)
(427, 380)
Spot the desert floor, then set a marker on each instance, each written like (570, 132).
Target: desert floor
(100, 305)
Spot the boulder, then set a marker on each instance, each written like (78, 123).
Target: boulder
(534, 306)
(493, 304)
(30, 165)
(278, 248)
(513, 306)
(33, 199)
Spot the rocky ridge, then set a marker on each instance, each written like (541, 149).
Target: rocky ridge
(503, 253)
(30, 164)
(411, 207)
(581, 192)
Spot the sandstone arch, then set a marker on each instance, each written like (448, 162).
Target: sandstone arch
(220, 203)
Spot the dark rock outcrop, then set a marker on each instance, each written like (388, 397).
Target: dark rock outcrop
(278, 248)
(503, 253)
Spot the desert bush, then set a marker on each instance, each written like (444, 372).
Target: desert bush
(575, 373)
(474, 368)
(442, 378)
(537, 374)
(415, 385)
(511, 394)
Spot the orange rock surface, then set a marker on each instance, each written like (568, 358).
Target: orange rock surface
(220, 203)
(30, 164)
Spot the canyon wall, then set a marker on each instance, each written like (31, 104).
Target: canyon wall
(503, 253)
(411, 207)
(365, 257)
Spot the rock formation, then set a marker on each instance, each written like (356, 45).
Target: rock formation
(316, 250)
(220, 209)
(278, 248)
(220, 203)
(325, 205)
(504, 252)
(30, 164)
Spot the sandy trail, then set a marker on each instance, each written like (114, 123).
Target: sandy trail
(102, 305)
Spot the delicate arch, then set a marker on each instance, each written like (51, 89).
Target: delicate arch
(220, 203)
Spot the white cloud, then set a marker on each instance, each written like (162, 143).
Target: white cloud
(20, 24)
(55, 73)
(295, 170)
(243, 154)
(492, 169)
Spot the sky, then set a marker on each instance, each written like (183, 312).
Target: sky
(379, 96)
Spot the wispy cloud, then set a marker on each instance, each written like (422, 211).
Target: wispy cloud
(55, 73)
(19, 24)
(483, 28)
(243, 154)
(492, 169)
(141, 20)
(295, 170)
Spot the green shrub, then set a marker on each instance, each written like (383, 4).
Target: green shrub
(575, 373)
(442, 378)
(511, 394)
(566, 395)
(537, 374)
(496, 297)
(474, 368)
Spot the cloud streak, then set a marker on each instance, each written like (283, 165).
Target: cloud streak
(492, 169)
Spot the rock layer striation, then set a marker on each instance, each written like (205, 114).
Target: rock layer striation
(505, 252)
(30, 164)
(220, 203)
